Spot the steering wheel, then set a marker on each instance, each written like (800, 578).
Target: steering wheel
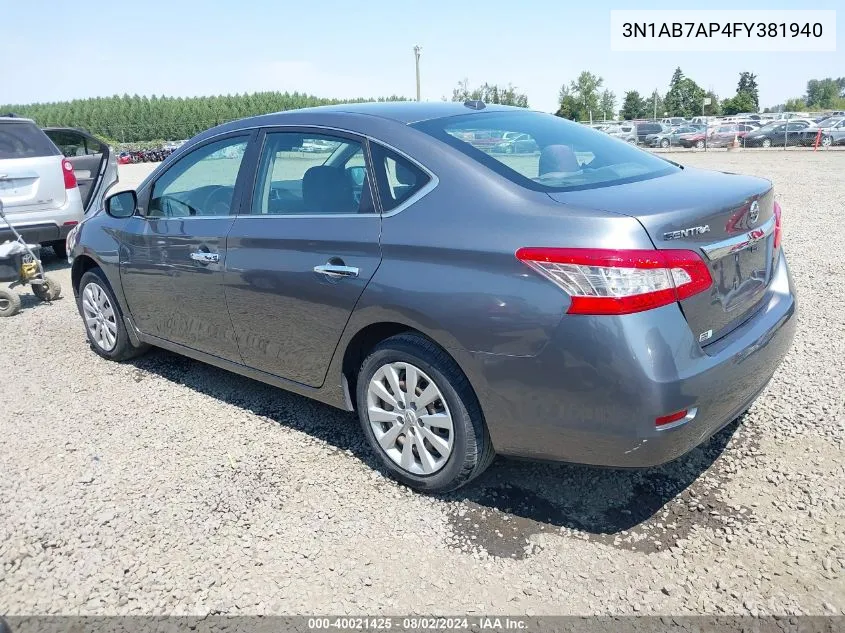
(218, 202)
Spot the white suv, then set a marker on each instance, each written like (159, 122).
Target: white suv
(39, 185)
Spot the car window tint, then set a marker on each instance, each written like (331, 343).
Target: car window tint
(22, 139)
(571, 156)
(399, 179)
(305, 174)
(201, 183)
(69, 143)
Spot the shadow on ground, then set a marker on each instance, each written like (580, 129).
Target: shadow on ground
(645, 510)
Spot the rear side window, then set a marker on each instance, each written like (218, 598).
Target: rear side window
(568, 156)
(398, 178)
(22, 139)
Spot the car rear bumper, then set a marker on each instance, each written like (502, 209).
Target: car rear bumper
(40, 226)
(593, 394)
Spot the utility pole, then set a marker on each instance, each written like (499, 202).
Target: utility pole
(417, 50)
(655, 104)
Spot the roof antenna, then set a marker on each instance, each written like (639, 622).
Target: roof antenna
(475, 105)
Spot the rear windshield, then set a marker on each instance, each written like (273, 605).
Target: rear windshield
(22, 139)
(554, 155)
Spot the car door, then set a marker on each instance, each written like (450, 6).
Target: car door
(794, 132)
(837, 133)
(301, 251)
(94, 164)
(174, 252)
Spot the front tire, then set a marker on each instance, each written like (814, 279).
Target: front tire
(421, 416)
(767, 142)
(699, 144)
(103, 318)
(827, 141)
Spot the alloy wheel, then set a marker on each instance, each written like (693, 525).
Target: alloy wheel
(100, 318)
(410, 418)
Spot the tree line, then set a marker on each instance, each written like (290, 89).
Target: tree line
(584, 98)
(136, 118)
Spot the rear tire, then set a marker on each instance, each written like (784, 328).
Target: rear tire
(440, 455)
(10, 303)
(767, 142)
(664, 143)
(103, 318)
(699, 144)
(826, 141)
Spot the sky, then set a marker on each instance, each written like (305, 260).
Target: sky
(53, 51)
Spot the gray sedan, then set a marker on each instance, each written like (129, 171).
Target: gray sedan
(589, 302)
(670, 138)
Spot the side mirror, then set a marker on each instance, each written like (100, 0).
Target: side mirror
(122, 205)
(357, 174)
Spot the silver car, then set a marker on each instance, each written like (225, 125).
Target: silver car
(46, 184)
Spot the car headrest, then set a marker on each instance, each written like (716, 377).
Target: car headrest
(327, 190)
(404, 175)
(558, 158)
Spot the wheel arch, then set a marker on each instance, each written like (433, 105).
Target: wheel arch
(368, 336)
(81, 265)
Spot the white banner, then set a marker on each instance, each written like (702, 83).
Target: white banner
(723, 30)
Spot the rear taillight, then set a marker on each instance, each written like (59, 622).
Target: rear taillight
(605, 281)
(778, 232)
(67, 172)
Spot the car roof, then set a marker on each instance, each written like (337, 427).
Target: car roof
(405, 111)
(14, 118)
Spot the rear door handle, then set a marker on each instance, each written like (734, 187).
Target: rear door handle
(336, 271)
(204, 257)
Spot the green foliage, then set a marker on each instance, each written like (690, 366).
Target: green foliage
(748, 86)
(715, 107)
(607, 104)
(135, 118)
(825, 93)
(633, 106)
(581, 98)
(489, 93)
(794, 105)
(685, 97)
(741, 102)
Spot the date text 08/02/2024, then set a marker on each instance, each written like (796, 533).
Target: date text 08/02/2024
(416, 623)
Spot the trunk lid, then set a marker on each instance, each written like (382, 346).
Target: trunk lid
(32, 183)
(728, 219)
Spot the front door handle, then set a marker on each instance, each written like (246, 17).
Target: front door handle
(336, 271)
(204, 257)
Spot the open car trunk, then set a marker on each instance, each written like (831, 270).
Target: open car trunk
(727, 219)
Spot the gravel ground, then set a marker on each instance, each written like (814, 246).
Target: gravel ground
(167, 486)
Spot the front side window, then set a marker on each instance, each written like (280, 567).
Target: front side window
(307, 174)
(200, 184)
(570, 156)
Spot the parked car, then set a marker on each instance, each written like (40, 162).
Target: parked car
(45, 193)
(832, 132)
(670, 138)
(648, 127)
(516, 144)
(464, 304)
(777, 134)
(727, 134)
(693, 139)
(624, 132)
(94, 163)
